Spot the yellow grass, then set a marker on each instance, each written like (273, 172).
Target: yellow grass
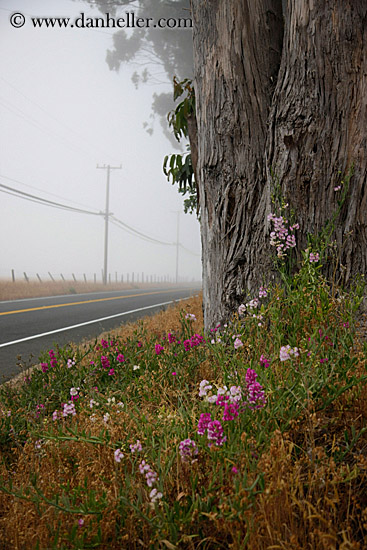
(22, 289)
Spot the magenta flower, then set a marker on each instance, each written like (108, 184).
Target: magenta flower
(105, 362)
(264, 362)
(120, 358)
(215, 434)
(231, 411)
(158, 349)
(204, 420)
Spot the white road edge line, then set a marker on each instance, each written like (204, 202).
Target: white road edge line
(89, 322)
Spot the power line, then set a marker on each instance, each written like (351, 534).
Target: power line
(139, 233)
(42, 190)
(115, 221)
(46, 202)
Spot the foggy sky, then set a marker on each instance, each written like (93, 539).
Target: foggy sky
(62, 112)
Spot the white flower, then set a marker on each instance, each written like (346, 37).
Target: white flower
(155, 495)
(204, 388)
(74, 391)
(106, 418)
(136, 367)
(190, 317)
(118, 455)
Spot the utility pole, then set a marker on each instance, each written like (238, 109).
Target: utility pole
(107, 215)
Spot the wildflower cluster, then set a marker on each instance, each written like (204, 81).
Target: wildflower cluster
(282, 237)
(190, 317)
(137, 447)
(255, 392)
(314, 257)
(188, 451)
(213, 429)
(286, 352)
(151, 478)
(195, 340)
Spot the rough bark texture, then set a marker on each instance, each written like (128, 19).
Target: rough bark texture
(319, 120)
(237, 49)
(279, 85)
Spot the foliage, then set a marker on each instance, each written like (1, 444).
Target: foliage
(178, 168)
(157, 54)
(159, 436)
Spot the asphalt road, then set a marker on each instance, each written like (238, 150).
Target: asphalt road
(31, 326)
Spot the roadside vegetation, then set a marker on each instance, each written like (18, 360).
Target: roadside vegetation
(161, 436)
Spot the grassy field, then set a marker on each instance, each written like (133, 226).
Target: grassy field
(21, 289)
(161, 436)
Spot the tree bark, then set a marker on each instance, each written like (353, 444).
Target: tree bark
(318, 123)
(279, 86)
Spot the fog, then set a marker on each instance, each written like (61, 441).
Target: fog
(63, 112)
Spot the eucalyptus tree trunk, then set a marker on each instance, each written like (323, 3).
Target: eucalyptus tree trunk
(282, 87)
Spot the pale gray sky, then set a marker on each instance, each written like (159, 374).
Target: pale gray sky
(62, 111)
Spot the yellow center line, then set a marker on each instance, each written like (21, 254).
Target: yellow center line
(88, 301)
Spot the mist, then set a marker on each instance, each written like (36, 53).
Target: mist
(63, 113)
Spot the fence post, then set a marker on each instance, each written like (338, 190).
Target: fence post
(74, 277)
(39, 278)
(62, 277)
(95, 278)
(25, 276)
(13, 275)
(85, 278)
(51, 277)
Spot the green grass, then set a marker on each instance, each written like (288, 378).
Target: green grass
(291, 473)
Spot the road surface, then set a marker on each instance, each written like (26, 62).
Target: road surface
(33, 325)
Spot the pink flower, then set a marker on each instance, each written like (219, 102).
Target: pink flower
(237, 343)
(263, 292)
(188, 450)
(314, 257)
(137, 447)
(120, 358)
(235, 470)
(174, 374)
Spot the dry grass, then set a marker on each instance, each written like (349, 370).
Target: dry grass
(22, 289)
(309, 501)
